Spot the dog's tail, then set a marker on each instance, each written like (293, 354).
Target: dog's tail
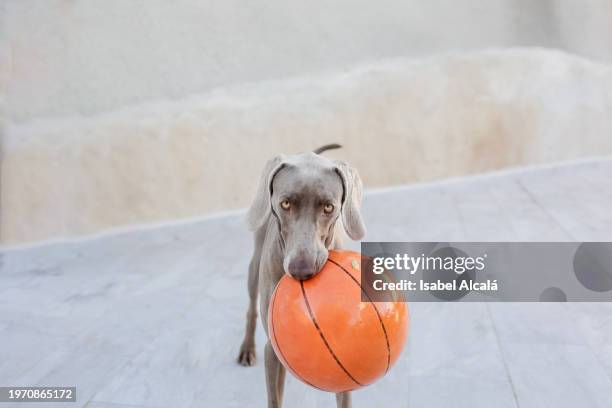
(331, 146)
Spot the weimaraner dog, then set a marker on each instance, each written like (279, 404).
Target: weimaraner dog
(303, 201)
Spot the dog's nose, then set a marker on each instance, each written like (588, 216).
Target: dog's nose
(301, 269)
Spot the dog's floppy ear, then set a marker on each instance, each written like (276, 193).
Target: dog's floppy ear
(351, 200)
(260, 208)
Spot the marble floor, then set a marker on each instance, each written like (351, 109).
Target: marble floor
(154, 317)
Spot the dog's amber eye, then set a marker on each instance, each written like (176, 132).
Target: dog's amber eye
(328, 208)
(285, 205)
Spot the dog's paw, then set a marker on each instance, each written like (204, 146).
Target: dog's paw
(247, 356)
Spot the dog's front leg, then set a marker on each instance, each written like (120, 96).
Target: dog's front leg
(246, 357)
(343, 399)
(275, 377)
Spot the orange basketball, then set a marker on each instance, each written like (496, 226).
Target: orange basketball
(326, 336)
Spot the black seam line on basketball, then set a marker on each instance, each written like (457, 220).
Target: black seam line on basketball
(281, 351)
(375, 309)
(316, 325)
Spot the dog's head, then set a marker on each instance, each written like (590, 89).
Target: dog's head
(307, 194)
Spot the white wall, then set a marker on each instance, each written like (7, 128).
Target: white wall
(84, 57)
(126, 112)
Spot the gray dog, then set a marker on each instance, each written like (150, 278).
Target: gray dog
(295, 217)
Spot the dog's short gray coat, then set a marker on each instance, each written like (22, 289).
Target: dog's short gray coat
(302, 204)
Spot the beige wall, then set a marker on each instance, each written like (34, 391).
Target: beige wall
(400, 120)
(115, 113)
